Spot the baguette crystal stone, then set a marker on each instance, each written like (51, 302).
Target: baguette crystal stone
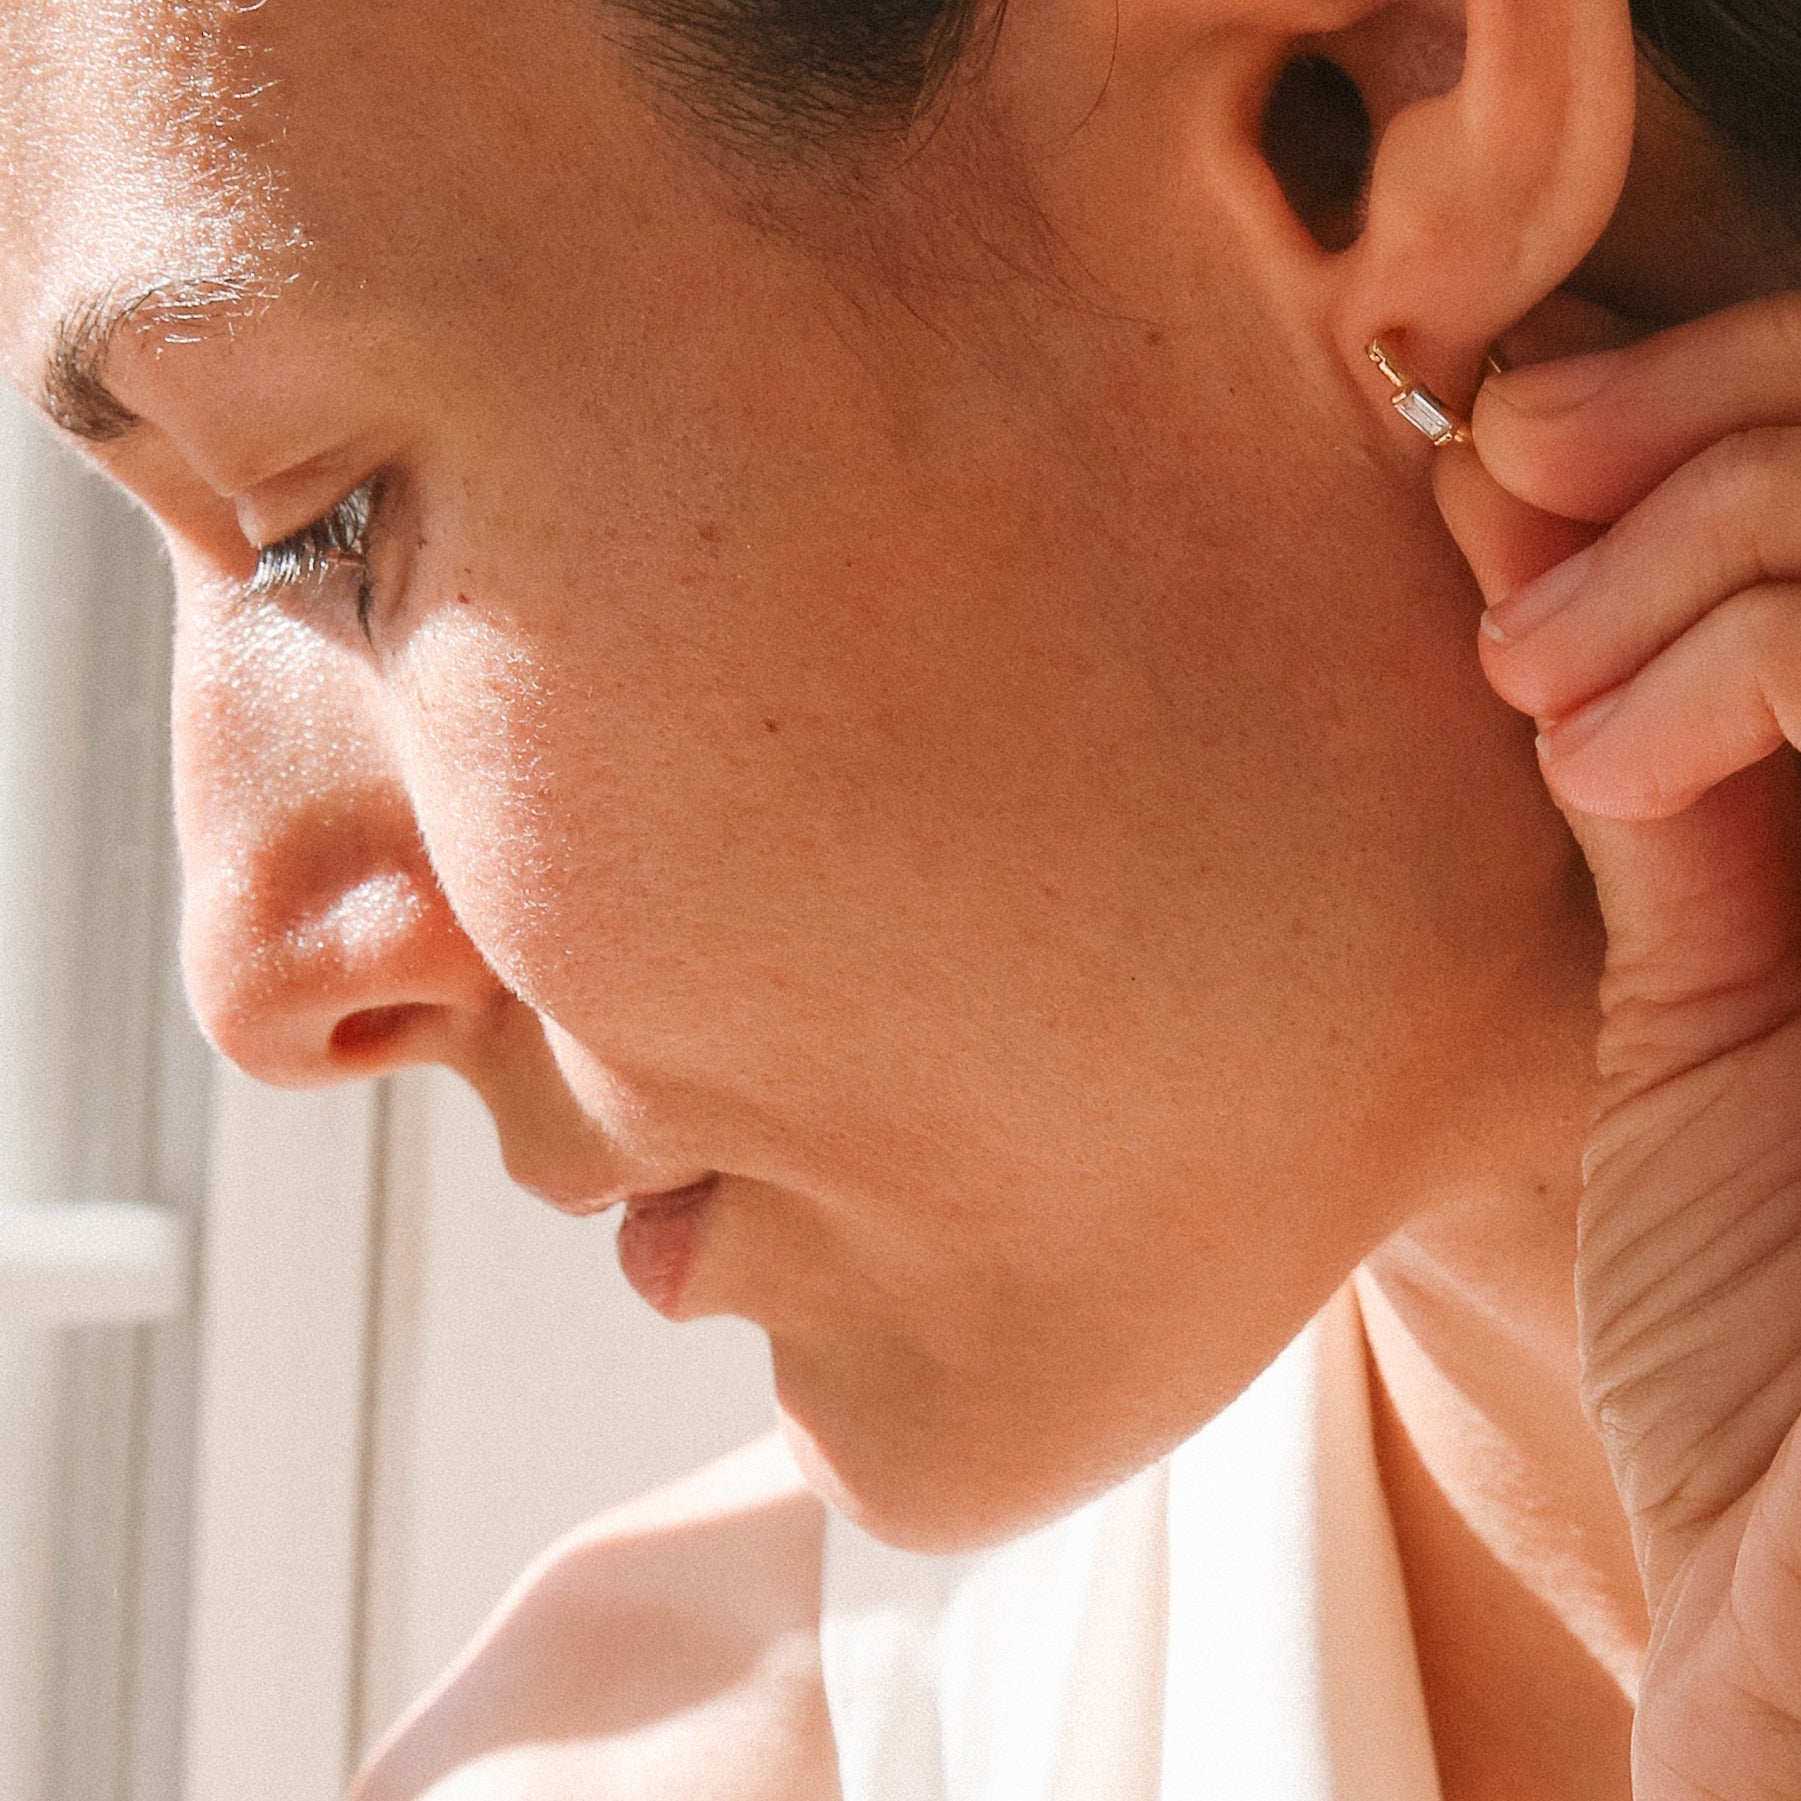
(1424, 412)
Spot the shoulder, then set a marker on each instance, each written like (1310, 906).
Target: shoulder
(669, 1648)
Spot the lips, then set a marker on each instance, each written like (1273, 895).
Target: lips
(659, 1239)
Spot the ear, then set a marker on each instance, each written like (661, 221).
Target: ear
(1484, 196)
(1451, 161)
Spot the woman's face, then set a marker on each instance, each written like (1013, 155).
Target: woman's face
(937, 700)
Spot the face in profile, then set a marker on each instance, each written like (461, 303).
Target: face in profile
(835, 691)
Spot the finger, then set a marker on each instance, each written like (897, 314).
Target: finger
(1505, 542)
(1720, 698)
(1588, 437)
(1724, 522)
(1700, 909)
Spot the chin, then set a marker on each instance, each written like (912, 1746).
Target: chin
(925, 1482)
(906, 1510)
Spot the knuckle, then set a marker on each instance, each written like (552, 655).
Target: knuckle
(1735, 475)
(1762, 623)
(1743, 493)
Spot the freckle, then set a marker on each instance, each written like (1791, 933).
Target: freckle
(1153, 337)
(709, 534)
(463, 599)
(772, 726)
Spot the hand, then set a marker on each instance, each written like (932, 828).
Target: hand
(1639, 547)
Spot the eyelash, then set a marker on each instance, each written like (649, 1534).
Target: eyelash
(338, 539)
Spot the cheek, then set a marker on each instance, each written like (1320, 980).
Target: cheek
(476, 739)
(581, 831)
(1059, 959)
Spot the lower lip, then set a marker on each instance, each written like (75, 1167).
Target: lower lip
(659, 1239)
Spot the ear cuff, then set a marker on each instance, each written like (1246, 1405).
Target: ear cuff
(1420, 407)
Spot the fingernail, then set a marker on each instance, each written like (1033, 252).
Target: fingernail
(1527, 608)
(1542, 389)
(1570, 734)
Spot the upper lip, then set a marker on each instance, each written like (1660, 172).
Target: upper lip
(582, 1202)
(671, 1197)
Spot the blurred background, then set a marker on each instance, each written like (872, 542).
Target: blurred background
(291, 1386)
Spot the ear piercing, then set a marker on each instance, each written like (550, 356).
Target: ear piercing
(1420, 407)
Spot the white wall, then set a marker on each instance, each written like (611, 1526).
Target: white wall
(102, 1097)
(279, 1466)
(44, 595)
(519, 1387)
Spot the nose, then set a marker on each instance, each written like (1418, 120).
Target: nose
(315, 938)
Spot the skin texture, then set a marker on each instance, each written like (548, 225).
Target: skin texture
(947, 702)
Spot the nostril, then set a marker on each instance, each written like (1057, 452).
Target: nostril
(372, 1033)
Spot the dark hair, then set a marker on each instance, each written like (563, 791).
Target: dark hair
(797, 74)
(1738, 64)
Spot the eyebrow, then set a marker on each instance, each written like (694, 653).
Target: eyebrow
(73, 389)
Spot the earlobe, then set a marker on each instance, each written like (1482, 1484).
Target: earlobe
(1483, 197)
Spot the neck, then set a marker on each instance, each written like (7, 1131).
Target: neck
(1527, 1609)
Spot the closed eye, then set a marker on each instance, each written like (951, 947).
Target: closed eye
(336, 540)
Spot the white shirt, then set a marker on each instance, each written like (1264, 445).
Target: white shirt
(1230, 1625)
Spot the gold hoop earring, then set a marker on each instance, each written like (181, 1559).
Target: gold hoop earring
(1420, 407)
